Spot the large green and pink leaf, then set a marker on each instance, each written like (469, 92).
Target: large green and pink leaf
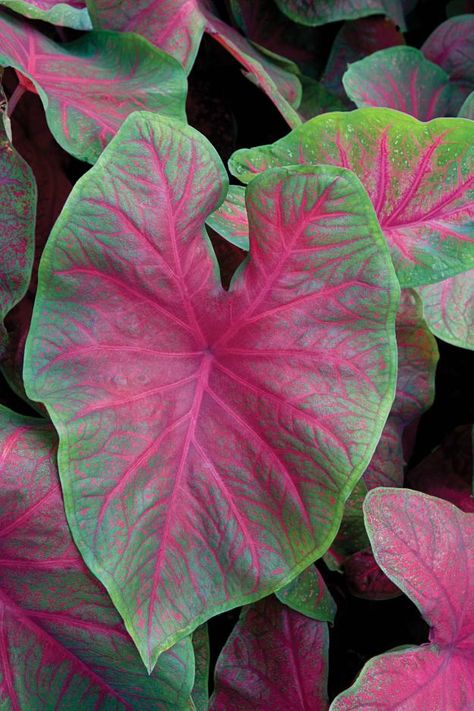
(399, 78)
(89, 86)
(449, 309)
(17, 229)
(320, 12)
(275, 658)
(355, 40)
(424, 545)
(63, 643)
(451, 46)
(208, 438)
(177, 27)
(72, 13)
(418, 176)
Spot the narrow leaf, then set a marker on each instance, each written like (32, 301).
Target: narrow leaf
(418, 176)
(208, 438)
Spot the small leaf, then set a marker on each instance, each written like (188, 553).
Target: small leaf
(63, 643)
(418, 176)
(449, 309)
(320, 12)
(72, 13)
(89, 86)
(399, 78)
(424, 545)
(230, 219)
(274, 659)
(308, 595)
(208, 438)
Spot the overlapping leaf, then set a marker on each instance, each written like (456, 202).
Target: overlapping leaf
(424, 545)
(449, 309)
(72, 13)
(89, 86)
(17, 228)
(200, 693)
(399, 78)
(208, 438)
(418, 176)
(467, 109)
(275, 658)
(319, 12)
(451, 46)
(177, 26)
(63, 644)
(230, 218)
(308, 595)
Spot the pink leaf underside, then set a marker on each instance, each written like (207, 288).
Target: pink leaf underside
(399, 78)
(417, 360)
(451, 46)
(62, 643)
(449, 309)
(447, 471)
(425, 209)
(323, 11)
(355, 40)
(424, 545)
(17, 216)
(308, 595)
(274, 659)
(177, 28)
(231, 423)
(89, 86)
(71, 13)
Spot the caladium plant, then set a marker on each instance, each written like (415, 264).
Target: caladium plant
(220, 379)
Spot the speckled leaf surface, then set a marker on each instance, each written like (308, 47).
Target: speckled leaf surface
(355, 40)
(467, 109)
(451, 46)
(63, 644)
(424, 545)
(230, 219)
(275, 658)
(17, 228)
(308, 595)
(208, 438)
(418, 176)
(65, 14)
(177, 28)
(320, 12)
(449, 309)
(399, 78)
(202, 652)
(89, 86)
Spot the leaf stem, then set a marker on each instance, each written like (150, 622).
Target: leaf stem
(14, 99)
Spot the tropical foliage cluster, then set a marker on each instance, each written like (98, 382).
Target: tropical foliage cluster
(218, 333)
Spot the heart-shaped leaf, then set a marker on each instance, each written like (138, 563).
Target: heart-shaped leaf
(208, 438)
(63, 644)
(72, 13)
(17, 228)
(89, 86)
(399, 78)
(355, 40)
(320, 12)
(418, 176)
(449, 309)
(424, 545)
(308, 595)
(451, 46)
(275, 658)
(177, 26)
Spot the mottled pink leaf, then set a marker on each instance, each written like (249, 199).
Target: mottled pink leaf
(418, 176)
(62, 643)
(177, 26)
(399, 78)
(274, 659)
(89, 86)
(449, 309)
(447, 472)
(72, 13)
(424, 545)
(320, 12)
(355, 40)
(366, 580)
(17, 228)
(467, 109)
(208, 438)
(308, 595)
(230, 219)
(451, 46)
